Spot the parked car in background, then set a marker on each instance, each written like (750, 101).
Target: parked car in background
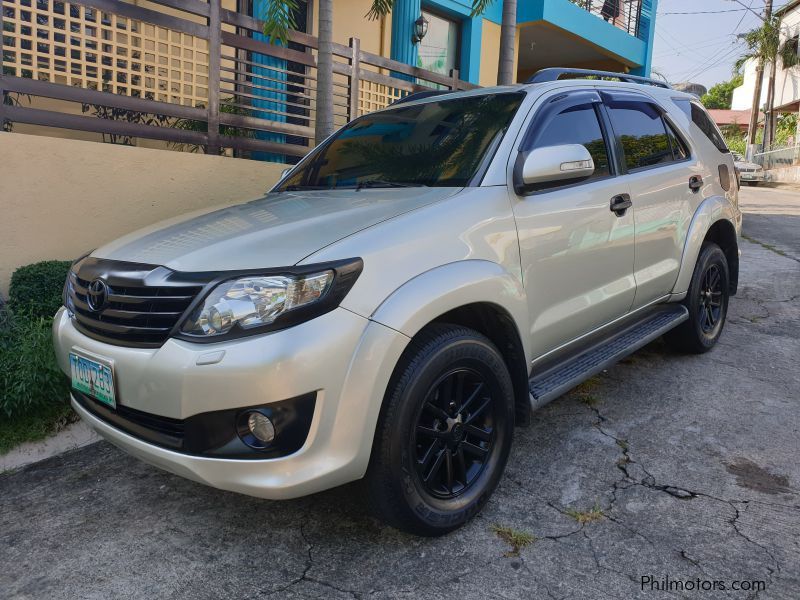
(414, 288)
(749, 172)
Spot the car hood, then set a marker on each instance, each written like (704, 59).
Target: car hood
(746, 165)
(278, 230)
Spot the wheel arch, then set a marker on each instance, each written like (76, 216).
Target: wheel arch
(477, 294)
(714, 220)
(723, 234)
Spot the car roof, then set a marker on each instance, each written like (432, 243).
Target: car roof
(565, 84)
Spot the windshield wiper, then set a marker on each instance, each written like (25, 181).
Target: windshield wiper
(382, 183)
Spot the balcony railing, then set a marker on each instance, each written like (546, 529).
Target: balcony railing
(623, 14)
(186, 72)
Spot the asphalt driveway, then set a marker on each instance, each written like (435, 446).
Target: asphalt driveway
(666, 466)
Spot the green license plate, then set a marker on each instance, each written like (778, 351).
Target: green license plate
(93, 378)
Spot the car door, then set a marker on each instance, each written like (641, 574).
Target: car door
(663, 178)
(577, 253)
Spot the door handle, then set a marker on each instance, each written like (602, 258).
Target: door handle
(695, 183)
(620, 203)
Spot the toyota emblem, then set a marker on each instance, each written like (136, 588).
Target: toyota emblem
(97, 295)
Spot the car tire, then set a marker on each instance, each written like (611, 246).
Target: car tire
(444, 432)
(706, 301)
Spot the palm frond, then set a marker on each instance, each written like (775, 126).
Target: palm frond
(379, 8)
(479, 7)
(278, 19)
(762, 43)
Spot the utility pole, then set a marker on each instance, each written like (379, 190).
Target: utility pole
(769, 112)
(753, 128)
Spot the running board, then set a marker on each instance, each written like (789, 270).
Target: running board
(559, 379)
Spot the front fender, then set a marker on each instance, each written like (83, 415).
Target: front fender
(442, 289)
(711, 210)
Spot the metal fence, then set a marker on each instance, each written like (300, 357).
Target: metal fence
(778, 158)
(188, 72)
(623, 14)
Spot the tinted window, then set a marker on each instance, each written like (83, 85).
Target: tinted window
(641, 130)
(679, 150)
(577, 125)
(435, 144)
(708, 127)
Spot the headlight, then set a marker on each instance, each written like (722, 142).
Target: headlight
(254, 303)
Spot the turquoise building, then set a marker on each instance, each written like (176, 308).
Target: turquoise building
(615, 35)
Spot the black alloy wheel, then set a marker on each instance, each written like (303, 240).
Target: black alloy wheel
(444, 432)
(710, 301)
(707, 303)
(454, 435)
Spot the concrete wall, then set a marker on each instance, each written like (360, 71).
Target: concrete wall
(350, 20)
(490, 51)
(60, 198)
(785, 175)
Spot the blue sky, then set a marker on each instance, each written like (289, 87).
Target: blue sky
(701, 47)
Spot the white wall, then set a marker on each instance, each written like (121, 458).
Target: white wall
(787, 81)
(60, 197)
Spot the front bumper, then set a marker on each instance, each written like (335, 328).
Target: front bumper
(342, 357)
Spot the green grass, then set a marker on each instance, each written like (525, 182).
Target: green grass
(586, 516)
(584, 392)
(514, 538)
(35, 425)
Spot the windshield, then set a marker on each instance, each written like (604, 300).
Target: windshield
(433, 144)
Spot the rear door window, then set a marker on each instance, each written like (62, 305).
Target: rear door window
(646, 137)
(642, 134)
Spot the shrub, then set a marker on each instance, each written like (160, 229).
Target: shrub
(36, 289)
(29, 375)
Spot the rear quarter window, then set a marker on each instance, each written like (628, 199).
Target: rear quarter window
(701, 118)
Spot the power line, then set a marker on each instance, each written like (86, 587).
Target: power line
(694, 48)
(703, 12)
(739, 24)
(712, 64)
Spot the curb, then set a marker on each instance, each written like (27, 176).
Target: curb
(75, 435)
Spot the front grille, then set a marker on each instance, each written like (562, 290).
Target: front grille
(142, 303)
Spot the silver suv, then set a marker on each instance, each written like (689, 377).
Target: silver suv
(410, 292)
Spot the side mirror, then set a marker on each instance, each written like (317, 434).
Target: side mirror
(552, 164)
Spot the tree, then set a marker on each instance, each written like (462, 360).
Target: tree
(721, 94)
(508, 31)
(324, 120)
(763, 46)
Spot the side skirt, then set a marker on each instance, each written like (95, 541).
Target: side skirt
(559, 378)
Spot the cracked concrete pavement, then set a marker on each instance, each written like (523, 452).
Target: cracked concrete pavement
(692, 461)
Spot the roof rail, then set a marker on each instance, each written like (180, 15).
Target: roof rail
(419, 96)
(555, 73)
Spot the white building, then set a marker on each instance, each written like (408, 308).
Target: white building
(787, 79)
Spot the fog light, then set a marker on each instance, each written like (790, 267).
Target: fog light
(261, 427)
